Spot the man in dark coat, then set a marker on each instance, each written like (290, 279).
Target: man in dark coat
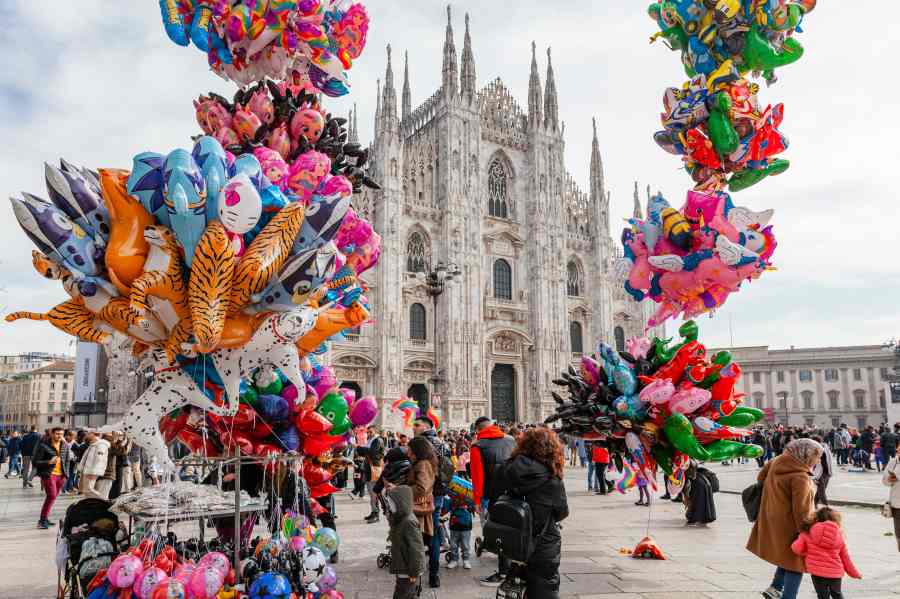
(27, 446)
(14, 450)
(698, 494)
(888, 444)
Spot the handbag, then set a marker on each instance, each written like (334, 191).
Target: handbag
(423, 506)
(751, 497)
(886, 510)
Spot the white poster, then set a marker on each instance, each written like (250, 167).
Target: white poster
(87, 364)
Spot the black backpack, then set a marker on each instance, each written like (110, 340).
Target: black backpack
(508, 530)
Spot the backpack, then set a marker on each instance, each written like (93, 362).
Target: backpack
(751, 497)
(446, 470)
(508, 530)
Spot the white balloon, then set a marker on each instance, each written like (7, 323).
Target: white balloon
(240, 205)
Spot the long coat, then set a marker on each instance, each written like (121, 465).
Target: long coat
(787, 502)
(421, 479)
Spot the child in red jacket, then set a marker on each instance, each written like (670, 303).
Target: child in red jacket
(825, 550)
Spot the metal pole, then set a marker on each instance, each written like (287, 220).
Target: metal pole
(237, 515)
(434, 341)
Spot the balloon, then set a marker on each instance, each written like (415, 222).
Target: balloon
(270, 585)
(326, 540)
(124, 571)
(727, 450)
(185, 193)
(334, 408)
(273, 407)
(184, 572)
(314, 562)
(363, 411)
(461, 489)
(330, 322)
(127, 249)
(210, 286)
(170, 589)
(148, 580)
(240, 207)
(217, 561)
(328, 580)
(297, 543)
(206, 581)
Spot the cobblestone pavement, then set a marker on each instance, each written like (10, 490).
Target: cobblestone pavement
(703, 563)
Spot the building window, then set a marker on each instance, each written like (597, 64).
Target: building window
(782, 400)
(352, 334)
(757, 378)
(835, 421)
(573, 286)
(758, 399)
(859, 399)
(65, 386)
(497, 180)
(53, 385)
(831, 375)
(779, 376)
(417, 329)
(862, 422)
(619, 334)
(807, 397)
(51, 407)
(575, 337)
(416, 256)
(502, 280)
(63, 407)
(884, 373)
(833, 397)
(857, 374)
(805, 376)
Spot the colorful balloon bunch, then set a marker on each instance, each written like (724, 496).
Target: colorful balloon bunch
(690, 260)
(315, 41)
(658, 404)
(714, 120)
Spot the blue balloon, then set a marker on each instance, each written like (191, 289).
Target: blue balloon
(273, 407)
(185, 198)
(288, 437)
(270, 585)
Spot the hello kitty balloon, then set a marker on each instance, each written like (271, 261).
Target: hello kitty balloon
(240, 207)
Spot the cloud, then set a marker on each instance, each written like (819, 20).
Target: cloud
(97, 82)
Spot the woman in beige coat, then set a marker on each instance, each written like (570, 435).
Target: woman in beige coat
(787, 502)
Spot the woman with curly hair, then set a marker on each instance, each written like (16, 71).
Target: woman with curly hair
(534, 471)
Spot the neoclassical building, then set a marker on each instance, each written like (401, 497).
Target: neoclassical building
(472, 179)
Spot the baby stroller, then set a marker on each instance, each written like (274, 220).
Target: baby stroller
(89, 539)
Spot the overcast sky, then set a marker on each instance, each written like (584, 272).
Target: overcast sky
(97, 82)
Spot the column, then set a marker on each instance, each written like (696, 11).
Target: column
(820, 389)
(769, 400)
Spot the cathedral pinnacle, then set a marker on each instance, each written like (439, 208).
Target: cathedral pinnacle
(449, 72)
(551, 106)
(407, 96)
(638, 214)
(467, 71)
(353, 125)
(534, 90)
(597, 192)
(389, 100)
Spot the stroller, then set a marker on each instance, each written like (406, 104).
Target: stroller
(89, 539)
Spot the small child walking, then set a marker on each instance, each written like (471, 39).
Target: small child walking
(642, 489)
(460, 534)
(407, 548)
(825, 550)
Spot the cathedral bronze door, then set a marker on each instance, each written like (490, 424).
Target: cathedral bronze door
(419, 394)
(503, 393)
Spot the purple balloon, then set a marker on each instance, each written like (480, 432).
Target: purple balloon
(363, 411)
(328, 580)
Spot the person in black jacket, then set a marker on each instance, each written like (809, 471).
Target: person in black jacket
(51, 462)
(27, 446)
(535, 472)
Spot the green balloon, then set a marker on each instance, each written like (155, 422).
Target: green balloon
(721, 358)
(759, 55)
(722, 133)
(663, 456)
(725, 450)
(334, 408)
(273, 388)
(748, 177)
(250, 397)
(742, 416)
(689, 331)
(680, 433)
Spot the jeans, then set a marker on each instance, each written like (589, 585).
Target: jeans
(827, 588)
(788, 582)
(15, 463)
(27, 471)
(373, 499)
(53, 484)
(459, 544)
(590, 468)
(72, 481)
(434, 551)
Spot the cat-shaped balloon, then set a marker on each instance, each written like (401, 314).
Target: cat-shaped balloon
(240, 207)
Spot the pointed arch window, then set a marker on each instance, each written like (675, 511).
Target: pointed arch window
(575, 337)
(502, 280)
(573, 280)
(416, 253)
(497, 190)
(417, 328)
(619, 334)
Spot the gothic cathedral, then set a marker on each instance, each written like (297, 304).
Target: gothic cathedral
(473, 184)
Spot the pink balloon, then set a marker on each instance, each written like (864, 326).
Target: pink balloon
(349, 396)
(215, 560)
(206, 582)
(363, 411)
(124, 570)
(298, 543)
(289, 392)
(148, 580)
(184, 571)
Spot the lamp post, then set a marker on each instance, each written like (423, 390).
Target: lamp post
(435, 280)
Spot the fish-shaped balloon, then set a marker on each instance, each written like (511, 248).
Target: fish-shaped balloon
(146, 184)
(185, 196)
(72, 193)
(211, 158)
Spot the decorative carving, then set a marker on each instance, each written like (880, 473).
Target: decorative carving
(505, 343)
(502, 120)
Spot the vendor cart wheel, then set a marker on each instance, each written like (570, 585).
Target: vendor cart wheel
(448, 557)
(382, 561)
(479, 546)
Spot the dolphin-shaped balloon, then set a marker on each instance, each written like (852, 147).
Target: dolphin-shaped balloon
(210, 156)
(185, 196)
(72, 193)
(146, 183)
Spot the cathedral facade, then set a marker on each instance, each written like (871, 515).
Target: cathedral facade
(475, 183)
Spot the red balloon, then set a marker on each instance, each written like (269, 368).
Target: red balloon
(313, 423)
(245, 418)
(230, 440)
(315, 475)
(230, 578)
(196, 443)
(170, 427)
(264, 449)
(321, 490)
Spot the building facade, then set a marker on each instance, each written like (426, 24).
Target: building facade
(41, 397)
(823, 386)
(22, 363)
(471, 179)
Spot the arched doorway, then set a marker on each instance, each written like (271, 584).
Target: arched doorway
(419, 394)
(352, 385)
(503, 393)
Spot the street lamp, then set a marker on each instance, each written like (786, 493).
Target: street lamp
(435, 280)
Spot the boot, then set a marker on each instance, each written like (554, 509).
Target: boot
(372, 518)
(434, 581)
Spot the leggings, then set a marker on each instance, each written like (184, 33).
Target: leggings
(827, 588)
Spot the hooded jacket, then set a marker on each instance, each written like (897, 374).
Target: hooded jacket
(491, 448)
(45, 452)
(786, 504)
(530, 479)
(825, 551)
(95, 458)
(407, 548)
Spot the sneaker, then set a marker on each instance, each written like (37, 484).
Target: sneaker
(452, 565)
(467, 565)
(771, 593)
(43, 524)
(493, 580)
(372, 518)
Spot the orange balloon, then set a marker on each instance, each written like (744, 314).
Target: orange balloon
(127, 249)
(239, 328)
(330, 322)
(210, 285)
(266, 254)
